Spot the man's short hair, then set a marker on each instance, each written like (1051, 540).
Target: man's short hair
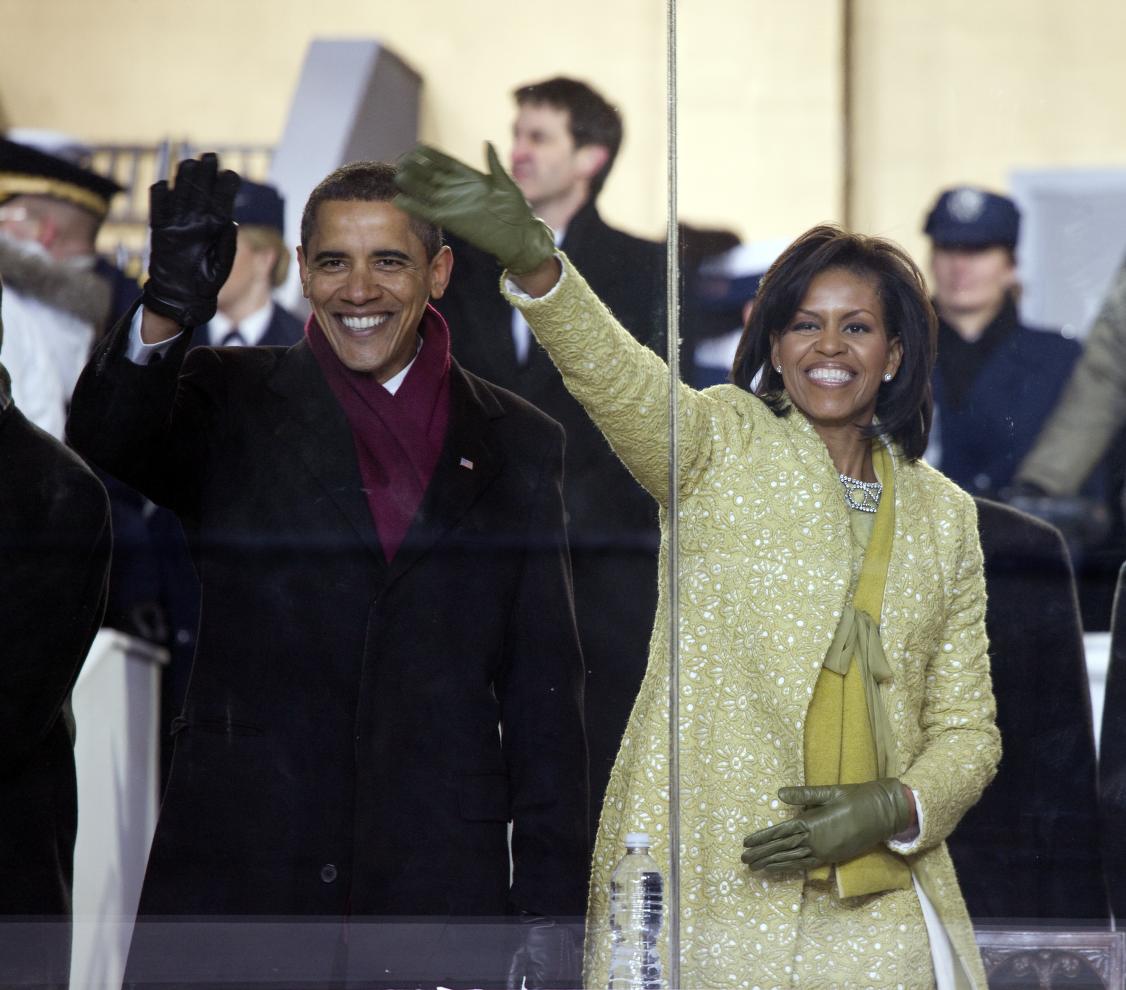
(367, 182)
(261, 238)
(591, 119)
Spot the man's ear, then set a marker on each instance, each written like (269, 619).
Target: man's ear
(303, 269)
(441, 266)
(591, 159)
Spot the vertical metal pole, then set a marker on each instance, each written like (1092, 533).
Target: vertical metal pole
(672, 344)
(848, 19)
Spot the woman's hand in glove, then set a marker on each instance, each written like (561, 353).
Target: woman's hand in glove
(486, 209)
(837, 823)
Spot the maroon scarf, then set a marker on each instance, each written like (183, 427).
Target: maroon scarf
(398, 437)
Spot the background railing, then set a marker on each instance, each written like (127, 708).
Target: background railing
(123, 238)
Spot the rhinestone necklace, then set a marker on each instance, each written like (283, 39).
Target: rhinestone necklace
(862, 495)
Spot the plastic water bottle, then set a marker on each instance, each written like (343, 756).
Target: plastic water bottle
(636, 905)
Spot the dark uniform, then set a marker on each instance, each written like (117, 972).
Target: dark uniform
(993, 396)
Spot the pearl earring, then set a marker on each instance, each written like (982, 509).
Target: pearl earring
(887, 376)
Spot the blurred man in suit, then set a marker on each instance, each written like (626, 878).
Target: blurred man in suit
(565, 139)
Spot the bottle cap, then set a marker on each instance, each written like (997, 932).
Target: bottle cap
(637, 839)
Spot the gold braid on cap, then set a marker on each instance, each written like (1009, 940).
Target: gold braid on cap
(17, 184)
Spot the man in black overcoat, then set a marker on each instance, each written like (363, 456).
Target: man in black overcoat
(54, 569)
(387, 671)
(1028, 851)
(565, 139)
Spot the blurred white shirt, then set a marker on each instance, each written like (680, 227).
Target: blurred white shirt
(44, 351)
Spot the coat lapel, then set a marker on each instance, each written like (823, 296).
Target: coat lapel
(469, 462)
(316, 428)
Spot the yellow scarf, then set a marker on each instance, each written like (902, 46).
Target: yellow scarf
(847, 736)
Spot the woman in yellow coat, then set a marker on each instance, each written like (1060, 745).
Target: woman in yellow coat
(835, 704)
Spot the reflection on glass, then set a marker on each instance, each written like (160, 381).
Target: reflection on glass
(784, 121)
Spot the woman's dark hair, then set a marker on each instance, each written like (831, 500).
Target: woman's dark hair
(905, 405)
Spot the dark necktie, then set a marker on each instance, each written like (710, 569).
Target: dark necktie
(232, 338)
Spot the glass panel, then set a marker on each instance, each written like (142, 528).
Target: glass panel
(337, 804)
(375, 774)
(863, 113)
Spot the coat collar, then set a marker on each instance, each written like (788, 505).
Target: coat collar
(315, 427)
(585, 221)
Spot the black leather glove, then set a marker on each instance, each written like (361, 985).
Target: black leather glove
(548, 958)
(193, 241)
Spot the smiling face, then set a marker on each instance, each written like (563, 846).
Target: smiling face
(835, 351)
(368, 280)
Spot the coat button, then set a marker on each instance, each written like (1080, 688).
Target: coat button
(328, 873)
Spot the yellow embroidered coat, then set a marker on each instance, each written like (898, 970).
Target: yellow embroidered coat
(763, 575)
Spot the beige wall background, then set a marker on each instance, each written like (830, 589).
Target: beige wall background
(942, 91)
(225, 70)
(953, 91)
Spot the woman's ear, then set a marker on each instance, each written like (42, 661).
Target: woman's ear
(895, 357)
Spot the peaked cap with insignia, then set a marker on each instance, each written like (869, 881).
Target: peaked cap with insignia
(966, 216)
(27, 171)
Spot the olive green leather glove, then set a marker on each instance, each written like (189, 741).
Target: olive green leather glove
(838, 823)
(488, 211)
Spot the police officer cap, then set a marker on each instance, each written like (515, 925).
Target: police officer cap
(259, 205)
(27, 171)
(971, 217)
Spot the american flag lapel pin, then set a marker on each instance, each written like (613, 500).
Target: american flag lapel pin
(465, 462)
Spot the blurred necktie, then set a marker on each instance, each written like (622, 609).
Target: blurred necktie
(232, 338)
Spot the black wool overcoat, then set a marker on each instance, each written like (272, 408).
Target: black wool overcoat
(54, 569)
(338, 751)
